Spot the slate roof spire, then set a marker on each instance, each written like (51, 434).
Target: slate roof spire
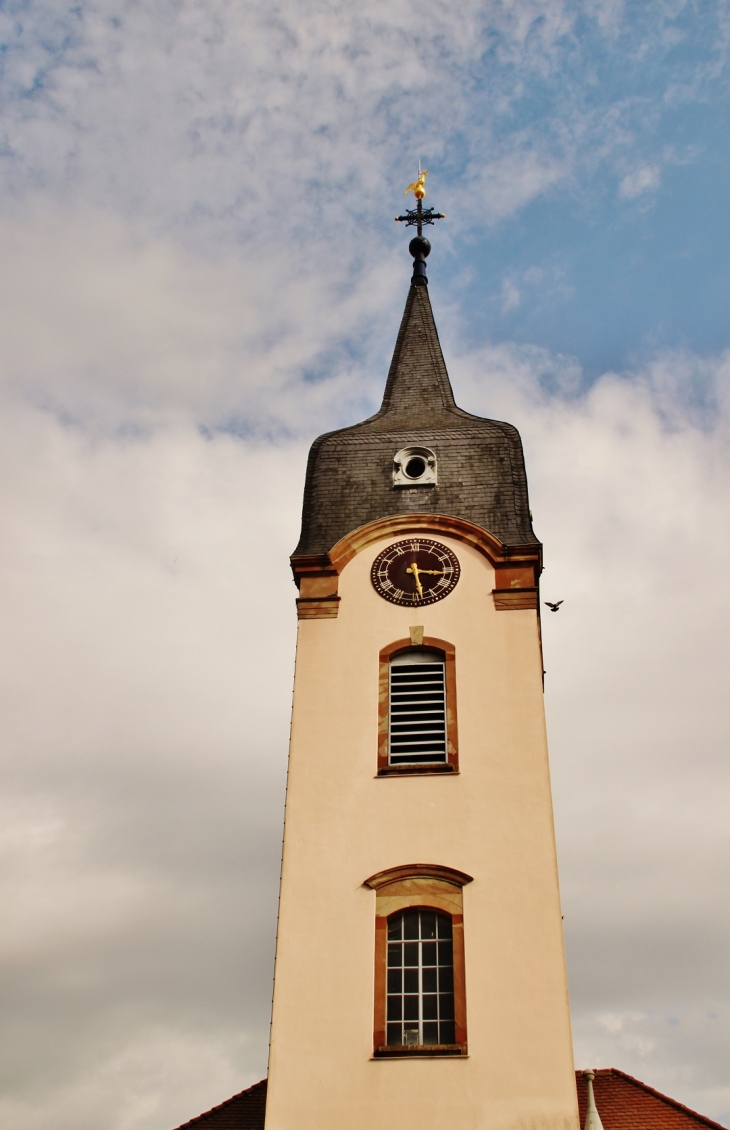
(481, 478)
(417, 377)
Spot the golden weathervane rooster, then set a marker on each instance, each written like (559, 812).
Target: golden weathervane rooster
(418, 188)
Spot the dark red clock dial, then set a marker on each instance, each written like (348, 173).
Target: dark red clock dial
(415, 572)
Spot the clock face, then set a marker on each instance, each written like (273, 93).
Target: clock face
(415, 572)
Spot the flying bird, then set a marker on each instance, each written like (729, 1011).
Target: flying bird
(418, 188)
(554, 607)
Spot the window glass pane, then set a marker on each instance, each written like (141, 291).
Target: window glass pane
(446, 1001)
(446, 1034)
(410, 953)
(410, 982)
(410, 1008)
(430, 1033)
(394, 955)
(395, 1035)
(446, 979)
(395, 926)
(428, 925)
(410, 924)
(395, 1008)
(445, 954)
(429, 981)
(395, 984)
(429, 953)
(430, 1007)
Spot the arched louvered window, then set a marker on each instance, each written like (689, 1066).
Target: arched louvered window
(417, 726)
(420, 980)
(417, 709)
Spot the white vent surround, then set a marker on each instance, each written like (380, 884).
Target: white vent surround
(415, 467)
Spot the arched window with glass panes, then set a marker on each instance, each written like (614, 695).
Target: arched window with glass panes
(418, 709)
(420, 979)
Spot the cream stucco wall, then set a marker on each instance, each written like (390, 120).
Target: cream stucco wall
(493, 820)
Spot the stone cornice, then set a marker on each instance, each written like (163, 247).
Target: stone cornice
(517, 568)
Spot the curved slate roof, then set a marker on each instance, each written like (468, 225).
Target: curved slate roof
(481, 467)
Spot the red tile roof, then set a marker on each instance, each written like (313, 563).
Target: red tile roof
(245, 1111)
(626, 1104)
(622, 1101)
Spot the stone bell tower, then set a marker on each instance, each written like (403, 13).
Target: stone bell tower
(420, 976)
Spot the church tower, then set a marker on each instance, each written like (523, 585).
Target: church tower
(420, 975)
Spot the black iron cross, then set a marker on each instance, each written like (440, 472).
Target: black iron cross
(419, 216)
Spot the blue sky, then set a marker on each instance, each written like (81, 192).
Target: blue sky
(199, 273)
(610, 280)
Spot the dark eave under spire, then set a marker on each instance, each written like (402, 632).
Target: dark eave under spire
(481, 469)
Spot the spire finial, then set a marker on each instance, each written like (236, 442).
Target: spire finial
(418, 217)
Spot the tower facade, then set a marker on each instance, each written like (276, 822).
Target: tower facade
(420, 975)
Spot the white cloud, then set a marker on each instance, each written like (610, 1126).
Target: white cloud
(506, 184)
(511, 297)
(641, 180)
(161, 1077)
(247, 125)
(148, 613)
(109, 332)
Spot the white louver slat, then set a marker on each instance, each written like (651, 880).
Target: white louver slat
(417, 709)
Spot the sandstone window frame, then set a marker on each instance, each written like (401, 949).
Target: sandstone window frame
(389, 652)
(423, 887)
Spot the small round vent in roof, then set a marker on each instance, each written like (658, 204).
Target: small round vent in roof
(415, 467)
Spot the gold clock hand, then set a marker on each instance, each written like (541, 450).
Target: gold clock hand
(415, 571)
(432, 572)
